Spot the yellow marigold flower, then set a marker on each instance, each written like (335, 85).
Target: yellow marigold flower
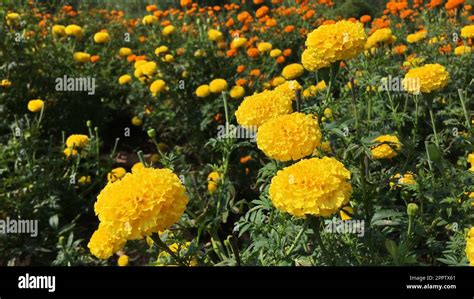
(275, 53)
(238, 42)
(149, 20)
(124, 52)
(387, 149)
(264, 47)
(170, 29)
(461, 50)
(70, 152)
(12, 17)
(203, 91)
(380, 36)
(116, 174)
(141, 203)
(101, 37)
(103, 243)
(161, 49)
(289, 137)
(260, 107)
(124, 79)
(137, 166)
(278, 81)
(467, 31)
(470, 159)
(122, 260)
(84, 180)
(237, 92)
(6, 83)
(77, 140)
(169, 58)
(199, 53)
(311, 187)
(327, 112)
(215, 35)
(345, 213)
(470, 246)
(416, 37)
(218, 85)
(35, 105)
(59, 30)
(157, 87)
(292, 71)
(331, 43)
(428, 78)
(399, 180)
(82, 57)
(74, 30)
(136, 121)
(212, 181)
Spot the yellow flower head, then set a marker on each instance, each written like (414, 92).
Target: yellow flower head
(462, 50)
(77, 140)
(237, 92)
(136, 121)
(59, 30)
(168, 30)
(68, 152)
(82, 57)
(5, 83)
(379, 37)
(203, 91)
(149, 20)
(218, 85)
(470, 159)
(124, 79)
(74, 30)
(416, 37)
(387, 149)
(101, 37)
(311, 187)
(331, 43)
(35, 105)
(264, 47)
(467, 31)
(12, 17)
(116, 174)
(238, 42)
(124, 52)
(157, 87)
(161, 49)
(275, 53)
(143, 202)
(425, 79)
(399, 180)
(289, 137)
(292, 71)
(215, 35)
(122, 260)
(470, 246)
(260, 107)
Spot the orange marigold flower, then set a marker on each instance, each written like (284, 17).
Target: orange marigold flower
(151, 8)
(365, 19)
(287, 52)
(253, 52)
(95, 58)
(289, 29)
(255, 72)
(241, 82)
(240, 68)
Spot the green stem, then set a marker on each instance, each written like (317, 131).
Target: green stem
(165, 247)
(434, 127)
(297, 239)
(463, 105)
(315, 224)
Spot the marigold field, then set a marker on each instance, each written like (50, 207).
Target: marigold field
(252, 132)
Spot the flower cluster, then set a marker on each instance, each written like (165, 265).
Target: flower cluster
(388, 147)
(428, 78)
